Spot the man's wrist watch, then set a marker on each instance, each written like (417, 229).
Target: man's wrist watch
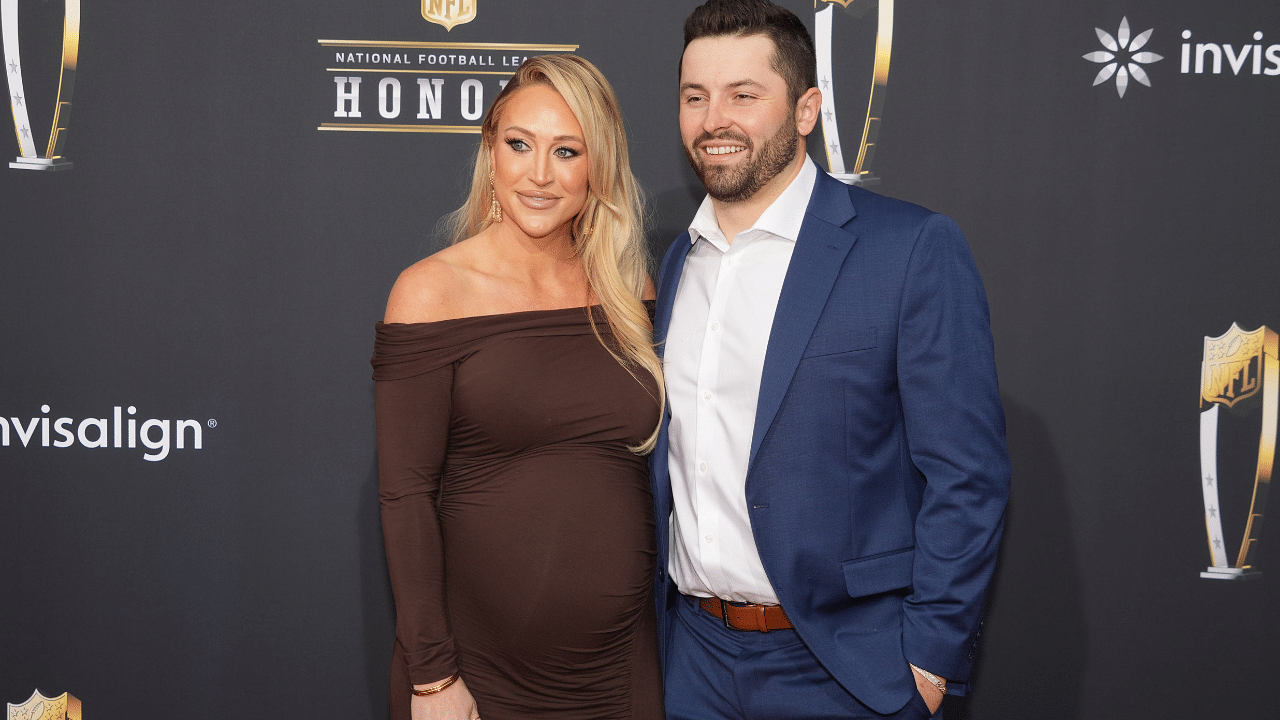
(934, 680)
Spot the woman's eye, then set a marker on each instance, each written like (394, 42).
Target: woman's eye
(565, 152)
(517, 144)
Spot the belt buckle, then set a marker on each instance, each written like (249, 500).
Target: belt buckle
(762, 623)
(724, 614)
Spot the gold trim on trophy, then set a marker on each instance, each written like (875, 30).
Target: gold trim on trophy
(52, 158)
(1240, 370)
(860, 172)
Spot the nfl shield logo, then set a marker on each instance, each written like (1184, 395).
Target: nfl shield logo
(449, 12)
(1233, 365)
(39, 707)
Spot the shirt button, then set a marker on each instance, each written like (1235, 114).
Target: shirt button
(709, 538)
(703, 467)
(715, 326)
(706, 396)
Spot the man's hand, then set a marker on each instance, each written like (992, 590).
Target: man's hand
(930, 692)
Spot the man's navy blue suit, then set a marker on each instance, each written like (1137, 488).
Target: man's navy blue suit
(878, 475)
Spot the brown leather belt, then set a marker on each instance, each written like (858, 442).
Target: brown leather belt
(761, 618)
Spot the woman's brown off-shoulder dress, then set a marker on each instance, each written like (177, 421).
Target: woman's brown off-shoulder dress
(518, 527)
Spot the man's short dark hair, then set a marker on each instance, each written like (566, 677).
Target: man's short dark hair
(793, 55)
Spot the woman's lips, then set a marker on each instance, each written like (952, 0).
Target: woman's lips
(538, 201)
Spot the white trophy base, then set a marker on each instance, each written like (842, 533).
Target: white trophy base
(1221, 573)
(856, 178)
(26, 163)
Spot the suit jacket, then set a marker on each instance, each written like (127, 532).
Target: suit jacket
(878, 475)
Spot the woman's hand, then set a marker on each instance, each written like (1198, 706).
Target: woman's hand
(452, 703)
(930, 692)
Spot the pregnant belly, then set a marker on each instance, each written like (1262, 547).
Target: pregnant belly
(549, 557)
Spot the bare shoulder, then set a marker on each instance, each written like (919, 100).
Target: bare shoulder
(432, 289)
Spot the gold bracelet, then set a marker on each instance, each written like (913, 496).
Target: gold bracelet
(435, 688)
(934, 680)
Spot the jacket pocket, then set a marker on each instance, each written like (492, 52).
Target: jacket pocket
(841, 342)
(879, 573)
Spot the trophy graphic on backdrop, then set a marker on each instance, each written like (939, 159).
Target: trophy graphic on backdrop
(52, 158)
(854, 165)
(39, 707)
(1239, 371)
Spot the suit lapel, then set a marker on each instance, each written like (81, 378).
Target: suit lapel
(668, 281)
(819, 254)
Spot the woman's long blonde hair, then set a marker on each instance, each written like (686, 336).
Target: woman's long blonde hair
(609, 232)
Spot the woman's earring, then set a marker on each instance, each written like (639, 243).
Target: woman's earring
(495, 210)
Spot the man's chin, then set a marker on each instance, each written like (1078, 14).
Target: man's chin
(728, 189)
(724, 182)
(718, 181)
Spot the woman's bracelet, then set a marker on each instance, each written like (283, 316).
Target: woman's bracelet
(435, 688)
(934, 680)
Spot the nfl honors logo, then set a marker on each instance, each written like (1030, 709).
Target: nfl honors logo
(449, 12)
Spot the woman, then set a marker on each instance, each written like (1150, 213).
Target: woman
(517, 385)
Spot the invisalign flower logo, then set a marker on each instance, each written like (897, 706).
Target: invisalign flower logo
(1114, 56)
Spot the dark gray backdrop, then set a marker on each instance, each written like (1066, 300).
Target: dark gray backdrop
(214, 256)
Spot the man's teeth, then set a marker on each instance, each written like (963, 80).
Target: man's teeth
(723, 150)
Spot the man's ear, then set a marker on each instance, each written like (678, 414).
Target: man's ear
(808, 107)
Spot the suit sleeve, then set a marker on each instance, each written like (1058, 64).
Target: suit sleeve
(413, 431)
(956, 437)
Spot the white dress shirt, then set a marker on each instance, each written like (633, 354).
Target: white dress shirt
(712, 361)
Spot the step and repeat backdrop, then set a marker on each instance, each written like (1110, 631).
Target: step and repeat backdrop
(203, 206)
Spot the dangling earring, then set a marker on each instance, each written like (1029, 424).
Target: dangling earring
(495, 210)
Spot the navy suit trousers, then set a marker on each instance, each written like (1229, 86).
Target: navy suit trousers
(717, 673)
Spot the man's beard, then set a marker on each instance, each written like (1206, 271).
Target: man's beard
(740, 182)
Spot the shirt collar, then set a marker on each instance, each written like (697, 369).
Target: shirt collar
(782, 218)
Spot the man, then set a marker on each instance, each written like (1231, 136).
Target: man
(831, 482)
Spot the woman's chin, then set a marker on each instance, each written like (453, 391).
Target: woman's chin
(539, 229)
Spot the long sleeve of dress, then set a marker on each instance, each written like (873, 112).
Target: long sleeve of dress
(412, 410)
